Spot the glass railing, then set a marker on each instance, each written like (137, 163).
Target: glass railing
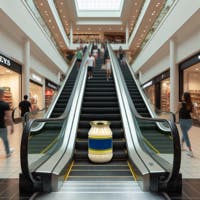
(39, 19)
(157, 22)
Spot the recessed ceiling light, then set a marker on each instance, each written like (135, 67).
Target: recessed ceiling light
(61, 3)
(135, 3)
(49, 20)
(199, 57)
(41, 4)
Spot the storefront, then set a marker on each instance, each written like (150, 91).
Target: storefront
(36, 92)
(158, 91)
(10, 80)
(50, 90)
(190, 82)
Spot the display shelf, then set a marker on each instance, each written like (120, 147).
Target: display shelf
(8, 96)
(195, 97)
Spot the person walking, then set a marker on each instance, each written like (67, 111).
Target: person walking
(185, 120)
(5, 120)
(79, 56)
(108, 68)
(90, 63)
(24, 106)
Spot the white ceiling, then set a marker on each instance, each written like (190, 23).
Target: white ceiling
(137, 15)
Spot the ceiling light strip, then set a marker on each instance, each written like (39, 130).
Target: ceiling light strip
(59, 23)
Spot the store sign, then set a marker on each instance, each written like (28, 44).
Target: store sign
(51, 85)
(5, 61)
(10, 64)
(147, 84)
(36, 78)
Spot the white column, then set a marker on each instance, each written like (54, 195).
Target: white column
(58, 77)
(26, 69)
(127, 34)
(140, 76)
(71, 35)
(43, 93)
(174, 78)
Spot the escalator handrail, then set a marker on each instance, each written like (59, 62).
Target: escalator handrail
(27, 113)
(55, 99)
(27, 128)
(145, 99)
(176, 140)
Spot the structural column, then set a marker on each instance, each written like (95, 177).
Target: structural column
(71, 35)
(127, 34)
(174, 78)
(26, 69)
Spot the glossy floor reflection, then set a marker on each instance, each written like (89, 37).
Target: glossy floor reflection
(10, 168)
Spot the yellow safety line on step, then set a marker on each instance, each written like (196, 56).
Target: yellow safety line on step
(132, 171)
(151, 146)
(49, 146)
(70, 168)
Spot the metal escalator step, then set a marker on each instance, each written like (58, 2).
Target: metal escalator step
(99, 89)
(117, 144)
(105, 117)
(104, 85)
(101, 173)
(114, 124)
(102, 99)
(100, 104)
(117, 133)
(83, 155)
(97, 110)
(101, 94)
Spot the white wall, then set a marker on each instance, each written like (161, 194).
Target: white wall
(182, 24)
(10, 47)
(156, 68)
(15, 15)
(185, 31)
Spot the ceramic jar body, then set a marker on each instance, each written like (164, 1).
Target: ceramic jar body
(100, 142)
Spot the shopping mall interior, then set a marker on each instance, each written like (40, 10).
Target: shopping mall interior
(105, 80)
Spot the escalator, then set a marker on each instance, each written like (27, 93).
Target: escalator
(43, 139)
(158, 139)
(99, 99)
(100, 102)
(116, 179)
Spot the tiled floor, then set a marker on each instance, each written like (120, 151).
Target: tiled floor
(10, 167)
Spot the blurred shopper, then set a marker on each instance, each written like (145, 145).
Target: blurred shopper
(108, 68)
(90, 63)
(5, 120)
(121, 55)
(79, 56)
(185, 109)
(24, 106)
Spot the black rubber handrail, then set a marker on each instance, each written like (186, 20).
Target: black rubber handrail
(27, 128)
(174, 131)
(29, 113)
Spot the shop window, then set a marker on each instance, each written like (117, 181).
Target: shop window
(191, 83)
(165, 95)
